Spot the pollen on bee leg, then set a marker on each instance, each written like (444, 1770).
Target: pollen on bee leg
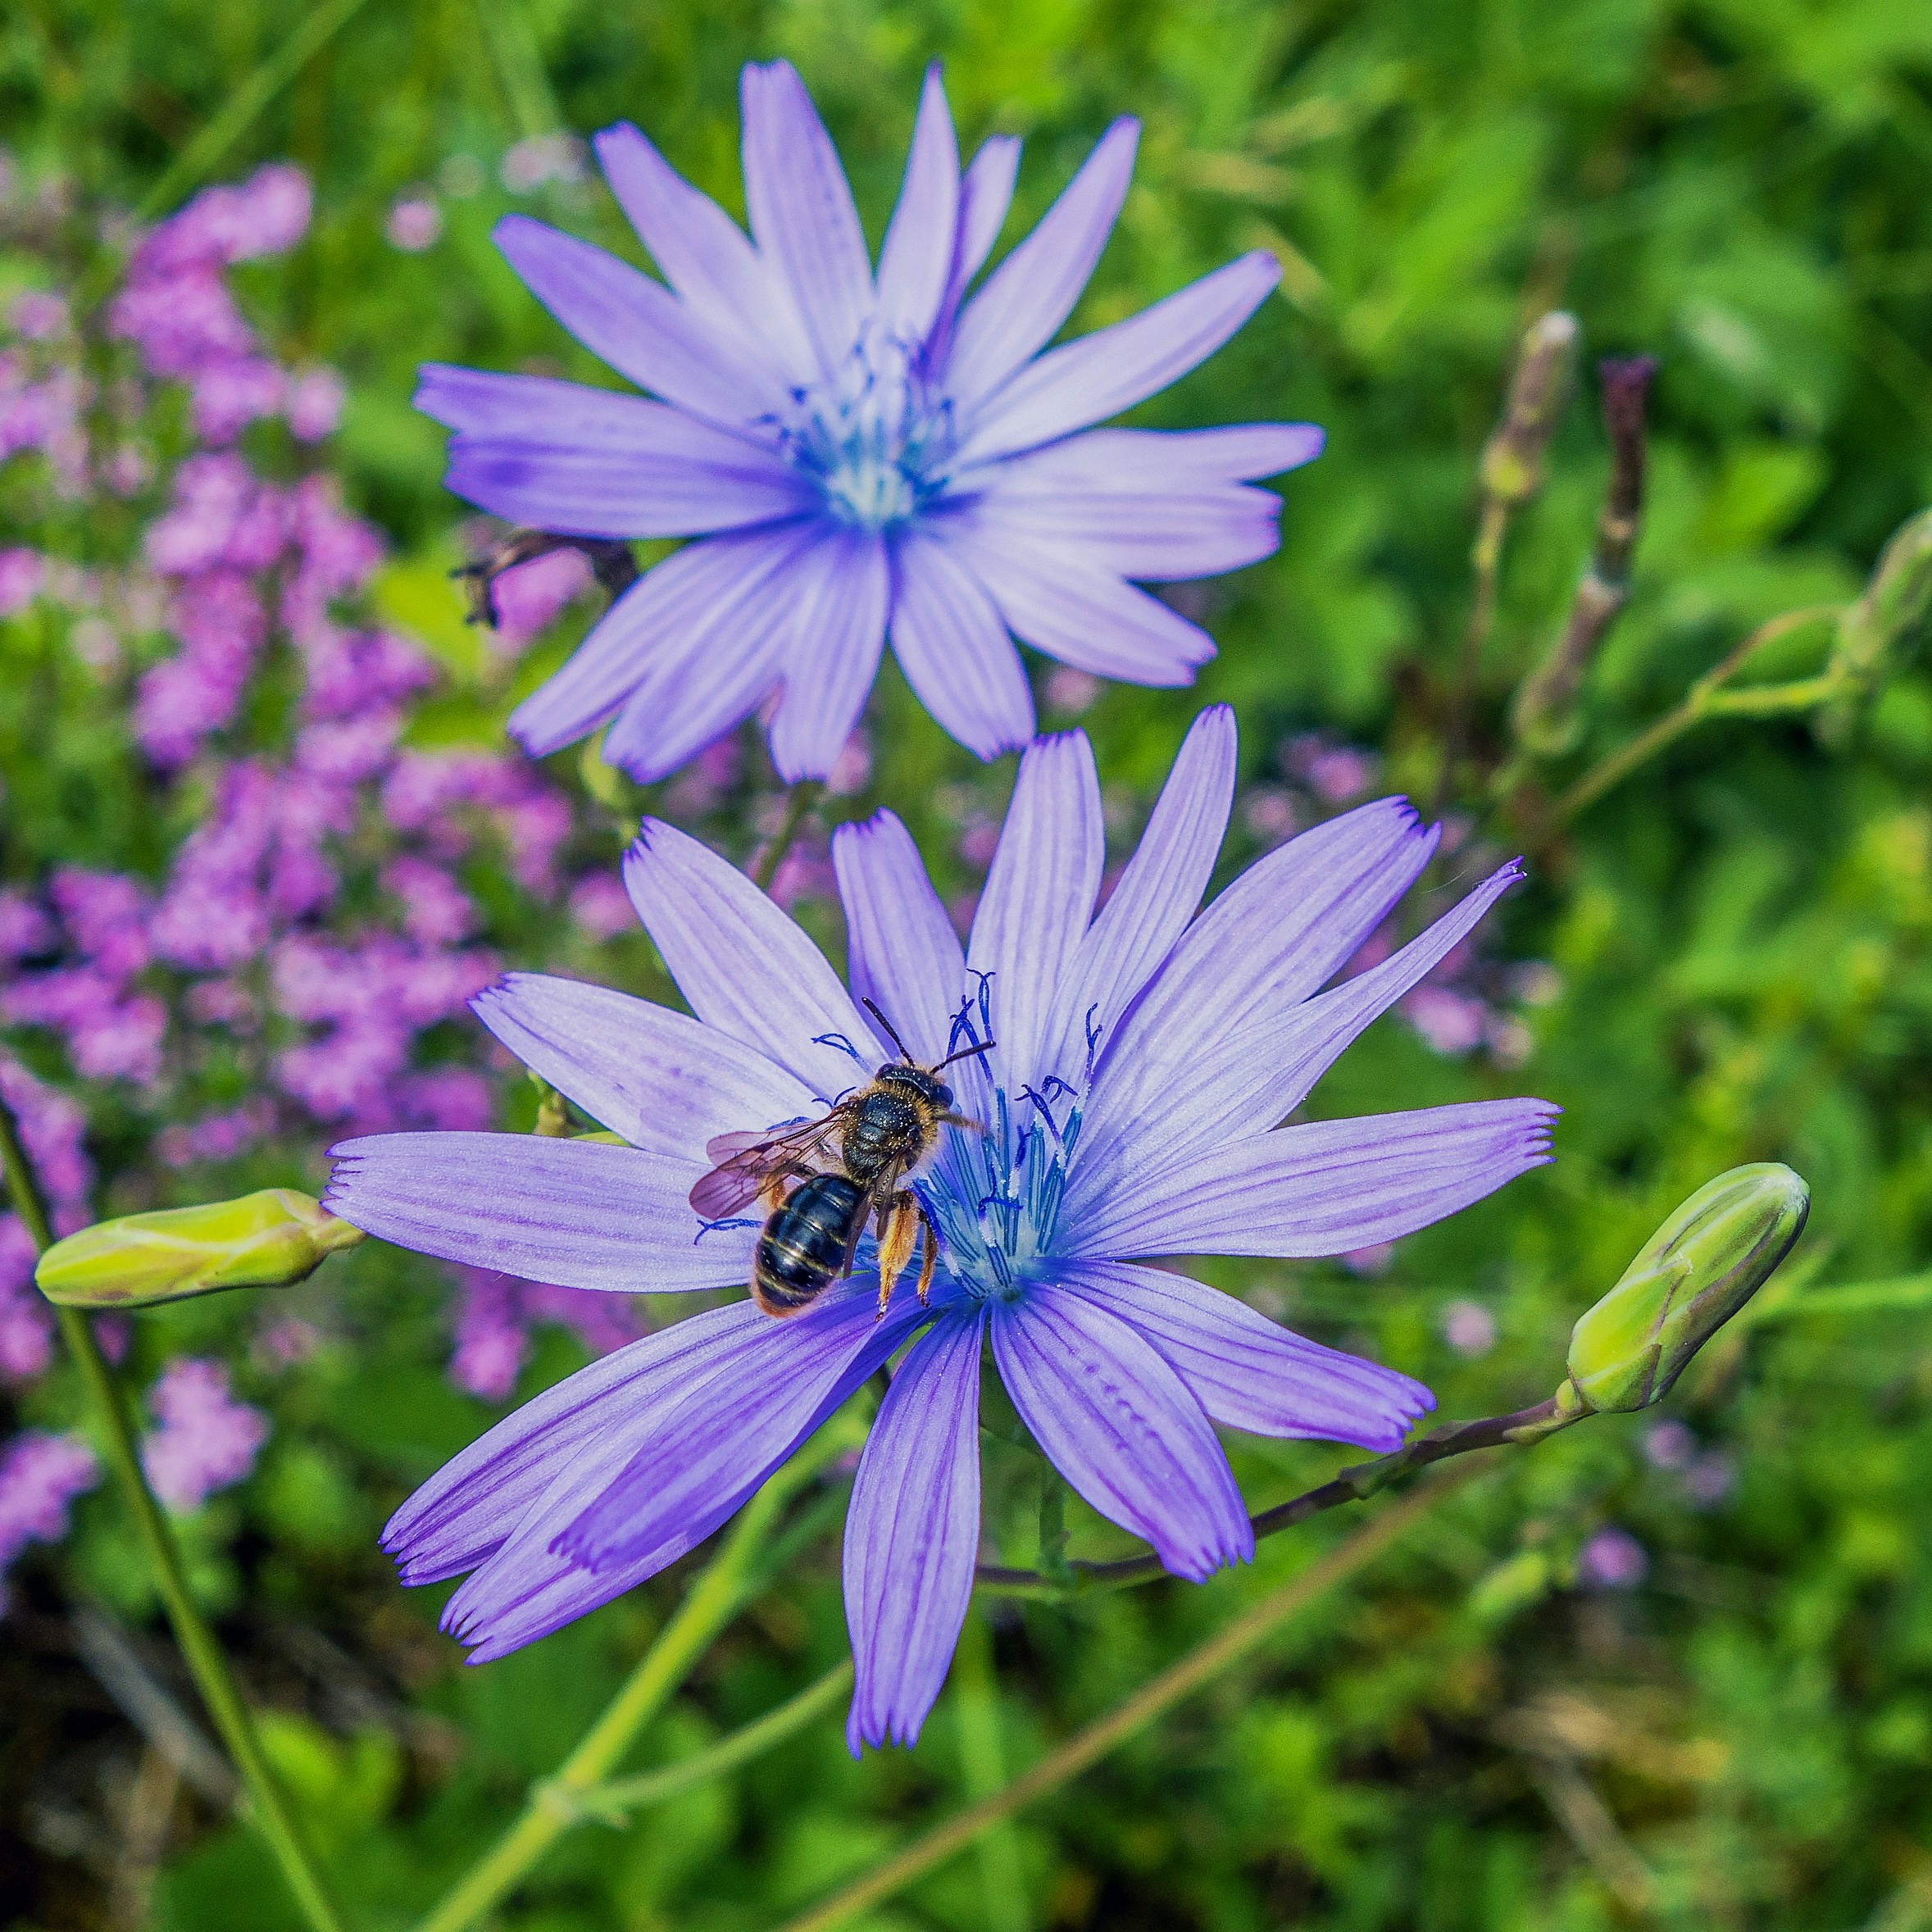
(895, 1244)
(929, 1256)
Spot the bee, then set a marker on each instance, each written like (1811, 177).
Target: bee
(847, 1165)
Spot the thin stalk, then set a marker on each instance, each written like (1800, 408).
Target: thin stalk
(982, 1759)
(799, 801)
(207, 151)
(558, 1804)
(265, 1808)
(1153, 1700)
(1520, 1429)
(1707, 698)
(613, 1802)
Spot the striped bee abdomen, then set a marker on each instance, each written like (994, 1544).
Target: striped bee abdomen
(806, 1242)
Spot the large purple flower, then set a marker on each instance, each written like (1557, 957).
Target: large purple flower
(859, 453)
(1143, 1058)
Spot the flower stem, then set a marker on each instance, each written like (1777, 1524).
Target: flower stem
(1520, 1429)
(558, 1804)
(976, 1705)
(1707, 698)
(1087, 1746)
(209, 148)
(612, 1802)
(266, 1810)
(799, 801)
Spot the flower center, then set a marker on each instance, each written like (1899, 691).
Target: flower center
(875, 437)
(995, 1197)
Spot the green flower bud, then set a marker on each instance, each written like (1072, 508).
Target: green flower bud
(1693, 1274)
(272, 1239)
(1512, 466)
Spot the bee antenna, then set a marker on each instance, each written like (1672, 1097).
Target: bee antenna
(891, 1031)
(967, 1053)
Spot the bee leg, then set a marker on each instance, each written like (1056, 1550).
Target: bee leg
(962, 1121)
(929, 1255)
(902, 1217)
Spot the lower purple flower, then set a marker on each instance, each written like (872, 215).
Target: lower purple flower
(1141, 1060)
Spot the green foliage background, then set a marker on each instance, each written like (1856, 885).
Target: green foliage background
(1464, 1741)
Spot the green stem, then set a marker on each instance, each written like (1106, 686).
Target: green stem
(1521, 1429)
(1087, 1746)
(799, 801)
(266, 1809)
(206, 152)
(558, 1804)
(612, 1802)
(976, 1705)
(1707, 698)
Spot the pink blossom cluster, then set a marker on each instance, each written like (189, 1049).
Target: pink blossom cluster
(1456, 1009)
(53, 1132)
(41, 1474)
(205, 1440)
(277, 978)
(176, 307)
(496, 1312)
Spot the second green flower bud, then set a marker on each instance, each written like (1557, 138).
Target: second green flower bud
(272, 1239)
(1692, 1276)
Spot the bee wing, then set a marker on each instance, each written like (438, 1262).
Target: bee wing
(744, 1164)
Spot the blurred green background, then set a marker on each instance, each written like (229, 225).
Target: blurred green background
(1466, 1741)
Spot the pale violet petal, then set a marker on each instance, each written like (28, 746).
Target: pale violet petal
(582, 1214)
(1249, 1372)
(1121, 1427)
(912, 1534)
(904, 954)
(744, 965)
(1325, 1187)
(665, 1082)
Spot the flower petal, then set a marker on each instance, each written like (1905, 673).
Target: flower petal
(912, 1534)
(916, 258)
(1059, 598)
(1039, 896)
(1148, 461)
(1261, 1063)
(665, 1082)
(468, 1510)
(1156, 539)
(952, 643)
(985, 194)
(1156, 894)
(801, 212)
(841, 590)
(720, 662)
(636, 324)
(1290, 922)
(579, 1213)
(669, 612)
(902, 951)
(574, 491)
(703, 253)
(742, 966)
(1120, 1426)
(1249, 1372)
(1103, 374)
(783, 1379)
(1033, 290)
(1325, 1187)
(581, 462)
(528, 1588)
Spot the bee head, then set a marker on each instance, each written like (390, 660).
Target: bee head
(929, 1087)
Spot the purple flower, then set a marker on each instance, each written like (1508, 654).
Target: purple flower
(1143, 1058)
(207, 1440)
(859, 452)
(40, 1476)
